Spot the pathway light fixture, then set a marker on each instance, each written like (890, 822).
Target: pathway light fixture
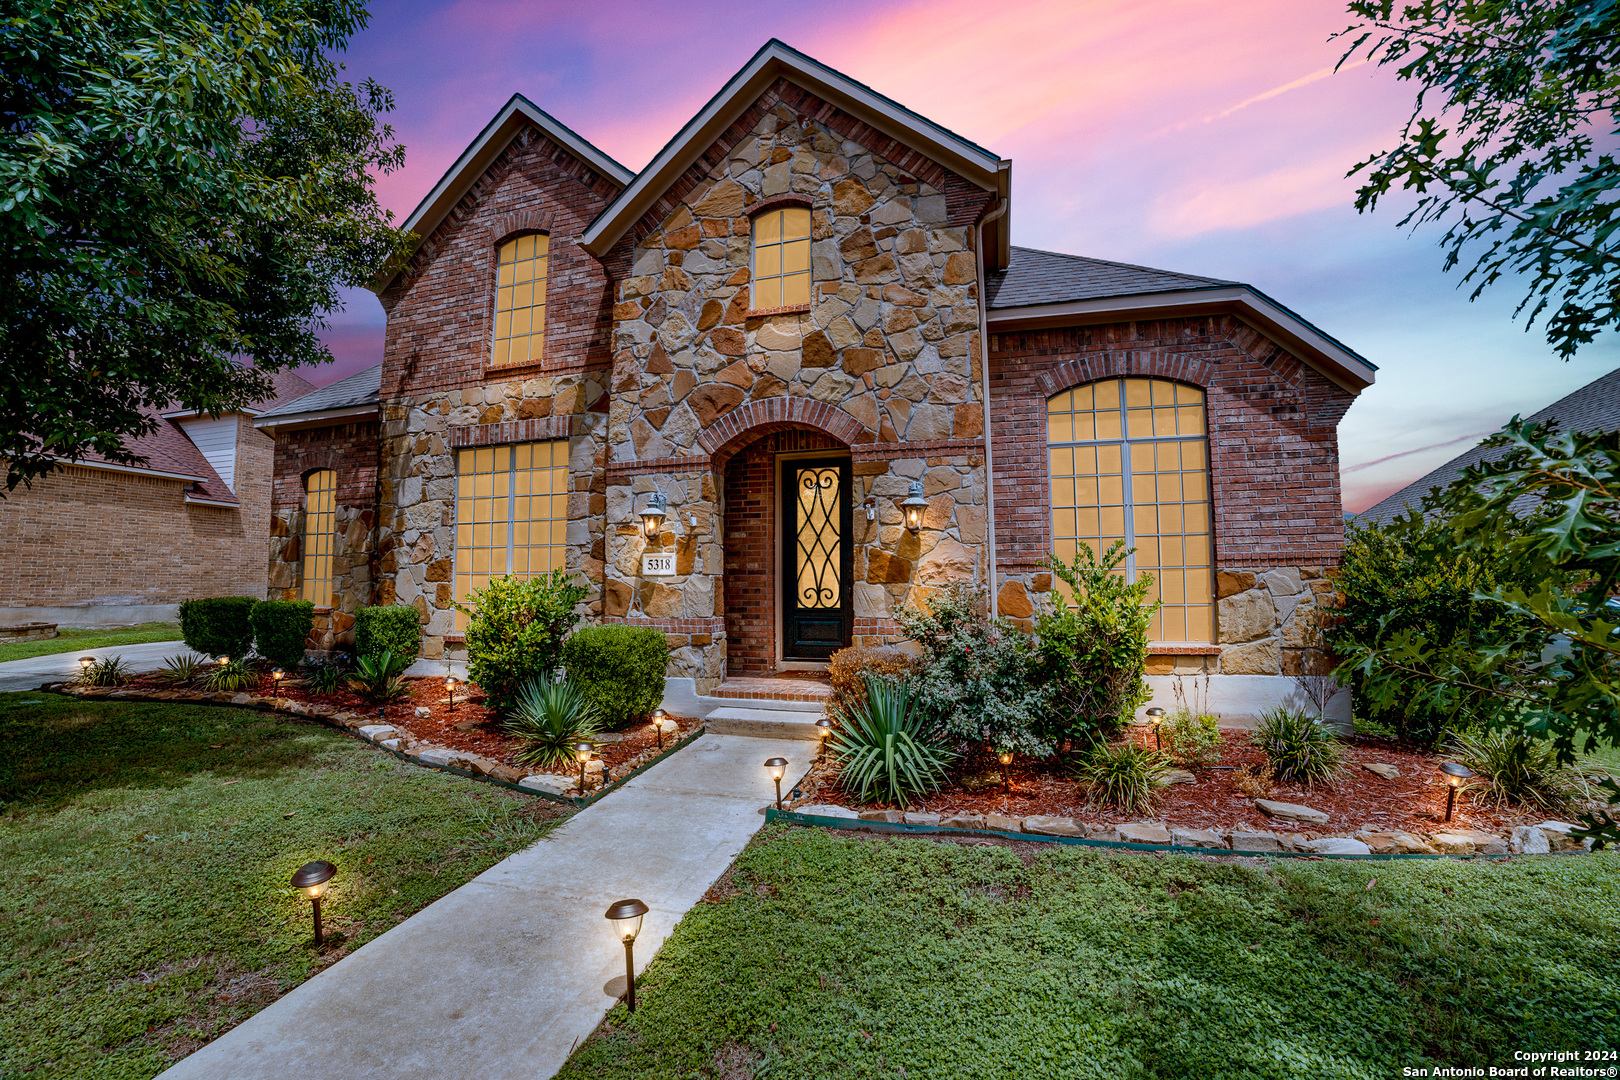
(1455, 772)
(824, 728)
(583, 750)
(777, 767)
(1005, 757)
(1155, 717)
(85, 663)
(914, 507)
(450, 688)
(313, 879)
(626, 918)
(276, 675)
(658, 718)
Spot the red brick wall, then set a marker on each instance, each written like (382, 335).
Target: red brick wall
(1274, 453)
(350, 450)
(751, 559)
(442, 307)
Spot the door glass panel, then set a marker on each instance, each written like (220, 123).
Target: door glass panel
(819, 551)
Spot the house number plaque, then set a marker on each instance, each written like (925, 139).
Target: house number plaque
(658, 564)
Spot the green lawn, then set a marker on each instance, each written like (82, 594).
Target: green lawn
(145, 852)
(70, 639)
(871, 957)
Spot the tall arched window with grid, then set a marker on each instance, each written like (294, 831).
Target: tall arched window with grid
(520, 300)
(320, 535)
(1130, 461)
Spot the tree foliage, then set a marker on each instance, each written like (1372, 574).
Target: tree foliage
(1509, 145)
(184, 185)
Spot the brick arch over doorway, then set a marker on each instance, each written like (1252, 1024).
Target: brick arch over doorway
(743, 425)
(752, 562)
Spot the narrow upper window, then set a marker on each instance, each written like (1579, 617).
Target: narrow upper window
(1129, 463)
(520, 300)
(320, 535)
(782, 258)
(511, 514)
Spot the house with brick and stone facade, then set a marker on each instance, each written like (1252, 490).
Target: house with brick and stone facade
(793, 374)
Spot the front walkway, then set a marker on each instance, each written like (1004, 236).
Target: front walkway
(34, 672)
(506, 975)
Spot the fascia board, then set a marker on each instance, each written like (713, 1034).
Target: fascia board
(775, 60)
(1333, 359)
(213, 502)
(317, 418)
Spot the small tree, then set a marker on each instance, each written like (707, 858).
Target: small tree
(516, 629)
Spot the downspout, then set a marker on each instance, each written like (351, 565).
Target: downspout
(984, 399)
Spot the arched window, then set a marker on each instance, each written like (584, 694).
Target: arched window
(782, 258)
(520, 300)
(1129, 462)
(320, 535)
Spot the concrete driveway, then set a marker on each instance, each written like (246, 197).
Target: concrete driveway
(34, 672)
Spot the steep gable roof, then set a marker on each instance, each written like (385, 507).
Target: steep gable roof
(779, 61)
(1594, 407)
(1050, 277)
(353, 396)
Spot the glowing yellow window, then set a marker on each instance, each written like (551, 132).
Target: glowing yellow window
(511, 514)
(520, 300)
(1128, 462)
(320, 535)
(782, 258)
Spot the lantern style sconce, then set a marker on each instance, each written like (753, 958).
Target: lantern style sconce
(450, 688)
(1155, 717)
(914, 507)
(824, 728)
(777, 767)
(1456, 772)
(582, 750)
(658, 718)
(626, 918)
(313, 879)
(652, 518)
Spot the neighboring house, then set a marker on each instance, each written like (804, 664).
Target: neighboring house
(785, 324)
(100, 544)
(1594, 407)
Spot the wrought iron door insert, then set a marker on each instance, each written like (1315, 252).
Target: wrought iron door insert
(817, 558)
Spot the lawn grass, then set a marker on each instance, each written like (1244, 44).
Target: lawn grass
(70, 639)
(146, 849)
(843, 957)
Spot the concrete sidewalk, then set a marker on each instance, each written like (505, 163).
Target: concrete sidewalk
(34, 672)
(506, 975)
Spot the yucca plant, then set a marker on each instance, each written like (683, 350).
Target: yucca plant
(234, 674)
(1299, 747)
(377, 677)
(181, 669)
(887, 753)
(326, 678)
(106, 671)
(1126, 776)
(550, 716)
(1513, 766)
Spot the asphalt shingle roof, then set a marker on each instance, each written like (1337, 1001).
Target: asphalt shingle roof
(1594, 407)
(1049, 277)
(362, 388)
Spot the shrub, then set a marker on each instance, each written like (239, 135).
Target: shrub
(181, 669)
(394, 628)
(847, 669)
(887, 754)
(1093, 647)
(106, 671)
(218, 625)
(1514, 766)
(231, 676)
(326, 678)
(1127, 777)
(280, 628)
(1192, 740)
(619, 669)
(516, 630)
(377, 677)
(977, 678)
(1298, 746)
(550, 716)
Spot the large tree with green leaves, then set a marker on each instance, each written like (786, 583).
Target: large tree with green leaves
(185, 185)
(1511, 145)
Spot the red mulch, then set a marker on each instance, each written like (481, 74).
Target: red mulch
(1414, 802)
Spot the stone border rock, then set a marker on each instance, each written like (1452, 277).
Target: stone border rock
(1546, 837)
(402, 744)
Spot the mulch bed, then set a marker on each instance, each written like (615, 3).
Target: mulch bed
(1414, 802)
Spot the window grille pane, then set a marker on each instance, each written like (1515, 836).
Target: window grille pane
(320, 536)
(520, 301)
(514, 528)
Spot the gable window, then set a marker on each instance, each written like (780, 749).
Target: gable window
(520, 300)
(1129, 462)
(320, 535)
(511, 514)
(782, 258)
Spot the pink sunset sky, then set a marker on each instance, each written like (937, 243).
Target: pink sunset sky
(1193, 136)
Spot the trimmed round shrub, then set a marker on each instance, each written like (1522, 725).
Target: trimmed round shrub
(394, 628)
(218, 625)
(619, 669)
(280, 629)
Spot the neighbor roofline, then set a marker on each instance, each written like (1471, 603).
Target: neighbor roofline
(1342, 365)
(774, 60)
(135, 469)
(483, 150)
(315, 417)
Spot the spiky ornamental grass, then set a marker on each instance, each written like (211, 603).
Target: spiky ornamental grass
(1126, 776)
(377, 677)
(551, 715)
(106, 671)
(182, 669)
(1513, 766)
(888, 755)
(1299, 747)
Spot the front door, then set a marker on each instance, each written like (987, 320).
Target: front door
(817, 558)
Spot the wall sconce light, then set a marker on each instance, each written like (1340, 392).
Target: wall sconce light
(1456, 772)
(777, 767)
(658, 718)
(652, 518)
(582, 750)
(824, 729)
(914, 507)
(626, 918)
(1155, 717)
(450, 686)
(313, 879)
